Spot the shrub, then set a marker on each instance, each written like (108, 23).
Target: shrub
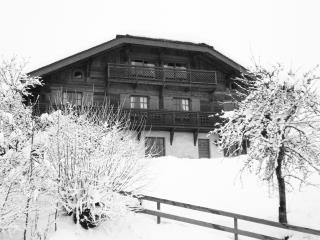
(92, 157)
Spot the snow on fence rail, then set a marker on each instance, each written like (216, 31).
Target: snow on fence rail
(235, 230)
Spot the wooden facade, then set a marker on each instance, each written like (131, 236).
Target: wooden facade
(171, 86)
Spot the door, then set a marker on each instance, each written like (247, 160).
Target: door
(204, 148)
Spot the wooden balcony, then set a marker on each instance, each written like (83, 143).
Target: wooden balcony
(160, 75)
(157, 119)
(164, 120)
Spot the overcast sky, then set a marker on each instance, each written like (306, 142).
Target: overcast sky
(43, 31)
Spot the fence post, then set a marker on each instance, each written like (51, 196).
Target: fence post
(235, 221)
(158, 208)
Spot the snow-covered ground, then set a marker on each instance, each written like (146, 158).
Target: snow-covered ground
(213, 183)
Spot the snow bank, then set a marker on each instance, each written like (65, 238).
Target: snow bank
(212, 183)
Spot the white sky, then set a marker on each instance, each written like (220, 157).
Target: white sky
(43, 31)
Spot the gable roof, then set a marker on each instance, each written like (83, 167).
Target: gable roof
(128, 39)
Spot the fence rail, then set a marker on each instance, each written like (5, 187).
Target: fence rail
(235, 230)
(161, 74)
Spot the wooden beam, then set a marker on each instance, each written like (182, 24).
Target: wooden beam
(195, 136)
(161, 98)
(171, 135)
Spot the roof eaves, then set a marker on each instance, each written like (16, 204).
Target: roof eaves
(75, 57)
(164, 40)
(127, 39)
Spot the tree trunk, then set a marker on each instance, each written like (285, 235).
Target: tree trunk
(282, 188)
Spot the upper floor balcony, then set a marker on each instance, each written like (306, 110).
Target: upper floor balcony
(164, 119)
(161, 75)
(151, 119)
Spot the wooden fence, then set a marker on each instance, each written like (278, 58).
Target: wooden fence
(235, 230)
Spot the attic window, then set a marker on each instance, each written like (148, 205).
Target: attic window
(78, 74)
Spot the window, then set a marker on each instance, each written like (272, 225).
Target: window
(139, 102)
(181, 104)
(179, 66)
(114, 100)
(204, 148)
(155, 146)
(78, 74)
(74, 98)
(142, 63)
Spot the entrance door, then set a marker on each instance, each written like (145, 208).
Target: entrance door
(204, 148)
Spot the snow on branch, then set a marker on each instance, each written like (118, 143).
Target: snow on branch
(280, 109)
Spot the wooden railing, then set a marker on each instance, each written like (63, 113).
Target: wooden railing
(161, 74)
(172, 118)
(156, 118)
(236, 217)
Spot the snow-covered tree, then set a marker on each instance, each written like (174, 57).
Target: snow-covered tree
(17, 168)
(80, 160)
(279, 123)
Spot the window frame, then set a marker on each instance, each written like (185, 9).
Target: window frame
(139, 103)
(142, 63)
(80, 71)
(162, 153)
(75, 101)
(181, 105)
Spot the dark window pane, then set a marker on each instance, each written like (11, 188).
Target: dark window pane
(78, 74)
(155, 146)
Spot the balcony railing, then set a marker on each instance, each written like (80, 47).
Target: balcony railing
(154, 118)
(163, 118)
(161, 74)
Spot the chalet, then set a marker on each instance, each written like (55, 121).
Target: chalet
(174, 86)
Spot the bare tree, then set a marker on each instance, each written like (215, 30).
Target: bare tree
(279, 123)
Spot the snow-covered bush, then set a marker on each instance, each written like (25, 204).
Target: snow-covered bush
(78, 160)
(280, 121)
(93, 157)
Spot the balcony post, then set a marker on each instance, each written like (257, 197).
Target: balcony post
(173, 118)
(163, 75)
(198, 119)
